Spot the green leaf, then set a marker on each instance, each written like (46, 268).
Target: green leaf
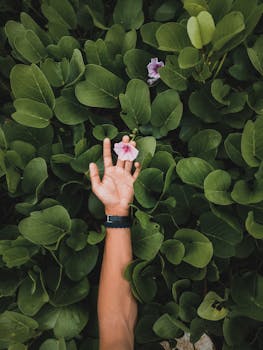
(129, 13)
(203, 106)
(9, 283)
(148, 186)
(233, 326)
(76, 68)
(136, 61)
(143, 331)
(144, 283)
(78, 264)
(15, 327)
(167, 110)
(204, 144)
(227, 28)
(78, 234)
(193, 171)
(31, 297)
(17, 252)
(32, 113)
(248, 144)
(216, 186)
(233, 148)
(105, 130)
(97, 12)
(198, 248)
(255, 100)
(146, 146)
(53, 344)
(35, 174)
(56, 72)
(60, 12)
(30, 82)
(220, 91)
(222, 232)
(69, 111)
(98, 53)
(64, 48)
(136, 104)
(167, 327)
(17, 347)
(118, 41)
(219, 9)
(212, 307)
(146, 237)
(12, 29)
(201, 29)
(172, 36)
(46, 226)
(30, 46)
(247, 291)
(166, 11)
(258, 139)
(29, 23)
(247, 193)
(162, 160)
(172, 75)
(66, 322)
(95, 237)
(36, 137)
(174, 251)
(255, 54)
(12, 178)
(100, 89)
(69, 293)
(253, 228)
(189, 57)
(81, 163)
(148, 31)
(193, 7)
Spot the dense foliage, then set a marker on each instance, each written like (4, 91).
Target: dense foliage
(75, 71)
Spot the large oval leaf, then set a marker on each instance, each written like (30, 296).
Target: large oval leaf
(101, 88)
(46, 226)
(193, 171)
(198, 248)
(36, 88)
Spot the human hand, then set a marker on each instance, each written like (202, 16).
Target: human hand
(116, 188)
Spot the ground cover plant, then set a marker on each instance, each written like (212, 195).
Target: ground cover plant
(184, 79)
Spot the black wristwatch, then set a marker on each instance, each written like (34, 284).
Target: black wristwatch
(117, 221)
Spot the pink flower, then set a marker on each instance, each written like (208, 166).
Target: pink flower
(153, 67)
(125, 151)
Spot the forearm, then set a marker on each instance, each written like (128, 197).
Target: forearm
(117, 308)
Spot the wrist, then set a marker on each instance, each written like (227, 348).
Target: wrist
(117, 211)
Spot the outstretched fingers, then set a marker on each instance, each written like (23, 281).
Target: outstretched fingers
(137, 170)
(120, 163)
(94, 176)
(107, 158)
(128, 163)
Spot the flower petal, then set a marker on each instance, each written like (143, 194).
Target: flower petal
(125, 151)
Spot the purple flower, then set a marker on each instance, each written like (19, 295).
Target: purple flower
(125, 151)
(153, 68)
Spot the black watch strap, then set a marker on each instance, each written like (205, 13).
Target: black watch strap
(117, 221)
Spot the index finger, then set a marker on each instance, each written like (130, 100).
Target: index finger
(107, 153)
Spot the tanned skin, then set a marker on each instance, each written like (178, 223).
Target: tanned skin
(117, 308)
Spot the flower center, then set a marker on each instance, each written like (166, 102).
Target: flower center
(126, 148)
(157, 66)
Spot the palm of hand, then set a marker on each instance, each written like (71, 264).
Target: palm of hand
(116, 187)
